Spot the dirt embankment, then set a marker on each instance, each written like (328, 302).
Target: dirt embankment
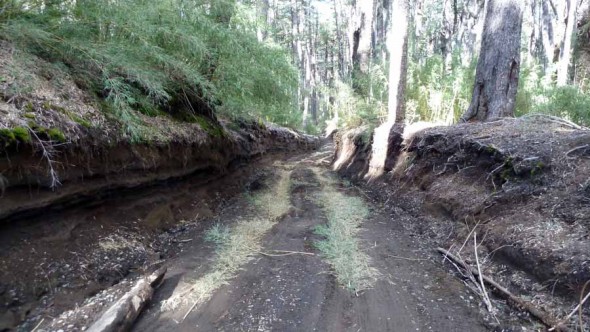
(89, 195)
(61, 142)
(85, 172)
(118, 210)
(59, 145)
(521, 184)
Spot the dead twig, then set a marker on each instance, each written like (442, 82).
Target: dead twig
(407, 259)
(39, 324)
(519, 303)
(484, 294)
(182, 241)
(286, 253)
(555, 119)
(582, 301)
(191, 309)
(468, 235)
(577, 309)
(586, 146)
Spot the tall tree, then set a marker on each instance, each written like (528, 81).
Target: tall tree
(262, 12)
(398, 63)
(566, 50)
(498, 67)
(381, 149)
(361, 35)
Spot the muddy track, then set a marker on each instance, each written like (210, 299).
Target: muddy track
(299, 292)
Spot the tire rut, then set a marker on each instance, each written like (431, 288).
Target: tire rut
(298, 292)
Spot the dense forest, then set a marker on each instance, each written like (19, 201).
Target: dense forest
(301, 63)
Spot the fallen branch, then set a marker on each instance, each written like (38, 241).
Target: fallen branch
(556, 119)
(578, 309)
(123, 313)
(485, 296)
(182, 241)
(585, 146)
(540, 314)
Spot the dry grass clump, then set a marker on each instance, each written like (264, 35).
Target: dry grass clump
(236, 245)
(341, 246)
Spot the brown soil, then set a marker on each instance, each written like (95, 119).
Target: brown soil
(523, 182)
(51, 263)
(78, 252)
(298, 292)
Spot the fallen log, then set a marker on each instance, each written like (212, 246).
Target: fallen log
(123, 313)
(521, 304)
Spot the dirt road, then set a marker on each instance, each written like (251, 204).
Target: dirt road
(281, 279)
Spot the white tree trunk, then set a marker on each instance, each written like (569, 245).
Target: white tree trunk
(398, 55)
(566, 51)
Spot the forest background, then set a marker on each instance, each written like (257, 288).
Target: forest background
(298, 63)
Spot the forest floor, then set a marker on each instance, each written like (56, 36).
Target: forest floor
(257, 263)
(282, 244)
(296, 289)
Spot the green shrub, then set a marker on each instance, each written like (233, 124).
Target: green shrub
(436, 93)
(153, 56)
(567, 102)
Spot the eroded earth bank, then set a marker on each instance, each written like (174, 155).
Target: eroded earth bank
(278, 241)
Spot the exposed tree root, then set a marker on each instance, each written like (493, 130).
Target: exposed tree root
(519, 303)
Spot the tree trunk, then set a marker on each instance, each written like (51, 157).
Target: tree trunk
(362, 19)
(498, 67)
(341, 66)
(566, 51)
(548, 39)
(398, 64)
(262, 9)
(385, 147)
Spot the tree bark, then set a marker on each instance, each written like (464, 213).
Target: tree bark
(362, 20)
(498, 67)
(398, 63)
(566, 51)
(385, 145)
(341, 65)
(262, 9)
(123, 313)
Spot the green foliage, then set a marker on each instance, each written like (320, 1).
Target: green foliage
(145, 56)
(366, 105)
(218, 234)
(56, 135)
(340, 245)
(539, 95)
(7, 136)
(213, 129)
(18, 134)
(567, 102)
(22, 134)
(437, 93)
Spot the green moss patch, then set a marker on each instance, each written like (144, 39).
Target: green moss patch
(210, 128)
(22, 134)
(56, 135)
(11, 136)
